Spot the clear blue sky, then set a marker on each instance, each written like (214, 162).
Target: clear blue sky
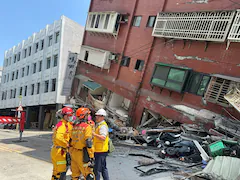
(19, 19)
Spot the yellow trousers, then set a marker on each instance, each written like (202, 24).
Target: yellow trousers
(58, 156)
(77, 166)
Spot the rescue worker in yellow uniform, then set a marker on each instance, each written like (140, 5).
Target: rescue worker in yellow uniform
(100, 140)
(82, 151)
(61, 137)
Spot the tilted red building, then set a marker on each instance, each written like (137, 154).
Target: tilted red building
(174, 58)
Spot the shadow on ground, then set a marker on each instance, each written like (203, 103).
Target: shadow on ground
(38, 146)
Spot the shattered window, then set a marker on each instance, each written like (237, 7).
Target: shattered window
(198, 83)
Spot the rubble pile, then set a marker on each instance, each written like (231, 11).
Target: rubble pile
(188, 145)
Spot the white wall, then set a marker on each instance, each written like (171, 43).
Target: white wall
(71, 40)
(0, 75)
(64, 26)
(115, 100)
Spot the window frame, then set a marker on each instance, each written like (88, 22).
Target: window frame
(191, 79)
(48, 60)
(141, 64)
(38, 87)
(55, 60)
(134, 21)
(50, 40)
(147, 25)
(57, 37)
(170, 66)
(126, 59)
(54, 82)
(34, 68)
(46, 83)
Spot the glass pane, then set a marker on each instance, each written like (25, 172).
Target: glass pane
(137, 21)
(93, 21)
(196, 78)
(176, 75)
(203, 85)
(151, 21)
(174, 85)
(161, 72)
(106, 21)
(159, 82)
(97, 21)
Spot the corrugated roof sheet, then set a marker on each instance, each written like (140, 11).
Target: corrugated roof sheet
(91, 85)
(224, 168)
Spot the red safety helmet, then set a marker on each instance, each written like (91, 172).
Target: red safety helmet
(82, 112)
(67, 111)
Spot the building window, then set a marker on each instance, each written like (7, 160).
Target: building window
(46, 86)
(29, 50)
(151, 21)
(97, 21)
(27, 70)
(93, 21)
(55, 60)
(86, 56)
(4, 79)
(2, 95)
(7, 77)
(11, 94)
(57, 36)
(218, 88)
(38, 88)
(20, 91)
(5, 95)
(32, 90)
(125, 61)
(19, 56)
(15, 58)
(36, 47)
(25, 92)
(53, 85)
(137, 21)
(42, 44)
(17, 74)
(25, 53)
(14, 93)
(23, 72)
(198, 83)
(40, 66)
(6, 62)
(10, 61)
(170, 76)
(50, 38)
(139, 65)
(34, 67)
(48, 62)
(13, 76)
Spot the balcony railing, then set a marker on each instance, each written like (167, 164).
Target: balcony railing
(203, 26)
(104, 22)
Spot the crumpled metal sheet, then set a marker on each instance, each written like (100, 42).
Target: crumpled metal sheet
(223, 168)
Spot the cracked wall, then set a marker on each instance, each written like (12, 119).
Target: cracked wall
(192, 58)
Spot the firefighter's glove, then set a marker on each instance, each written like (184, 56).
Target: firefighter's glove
(91, 163)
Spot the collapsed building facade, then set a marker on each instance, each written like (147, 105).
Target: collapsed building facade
(172, 59)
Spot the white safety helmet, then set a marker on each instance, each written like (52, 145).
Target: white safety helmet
(101, 112)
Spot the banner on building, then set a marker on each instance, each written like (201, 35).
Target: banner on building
(69, 73)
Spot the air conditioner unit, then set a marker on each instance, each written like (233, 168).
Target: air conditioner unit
(112, 57)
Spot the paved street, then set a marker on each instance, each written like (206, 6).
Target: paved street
(31, 159)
